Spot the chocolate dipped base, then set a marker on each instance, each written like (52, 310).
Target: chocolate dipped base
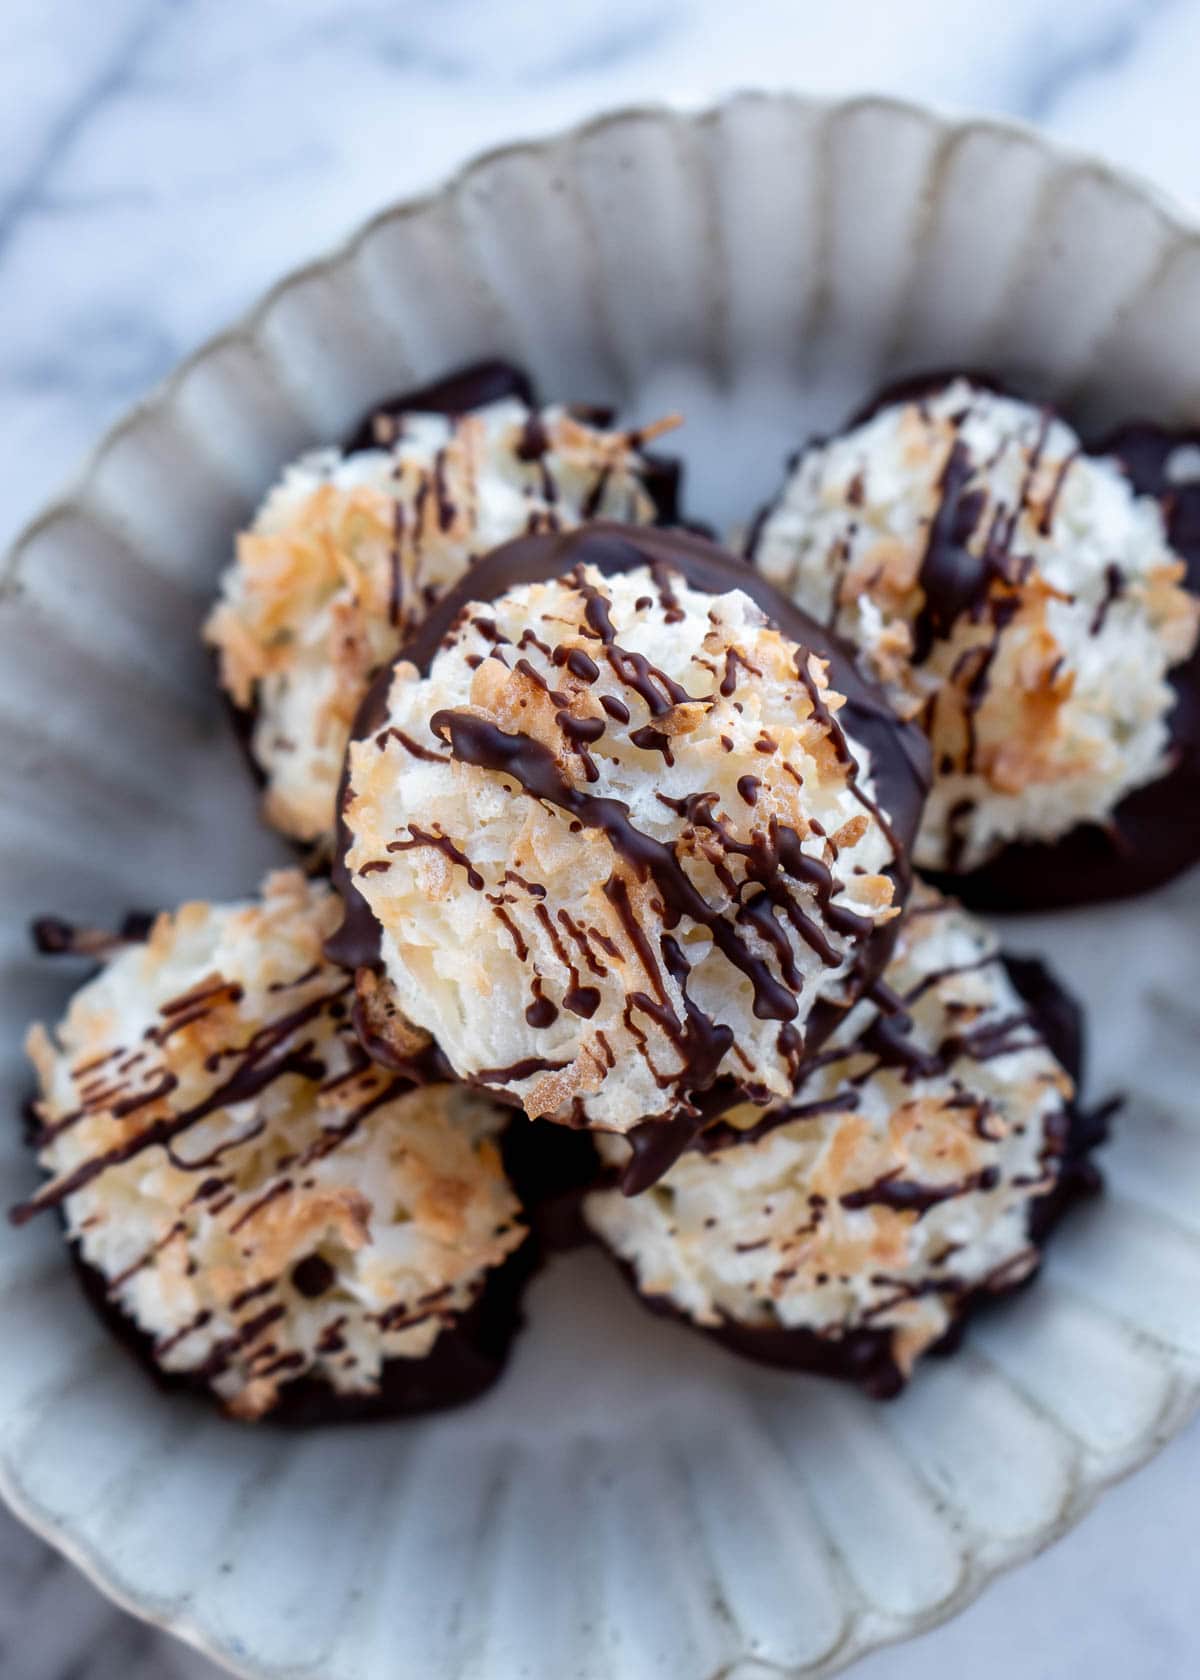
(466, 388)
(552, 1168)
(1153, 834)
(480, 383)
(468, 1357)
(1150, 837)
(864, 1357)
(470, 387)
(899, 759)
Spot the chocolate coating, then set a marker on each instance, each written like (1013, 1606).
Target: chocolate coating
(468, 1357)
(918, 385)
(480, 383)
(864, 1356)
(899, 761)
(52, 937)
(1150, 837)
(552, 1168)
(455, 393)
(470, 387)
(1058, 1017)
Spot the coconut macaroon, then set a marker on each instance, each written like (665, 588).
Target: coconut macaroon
(911, 1172)
(1014, 595)
(624, 846)
(350, 550)
(275, 1218)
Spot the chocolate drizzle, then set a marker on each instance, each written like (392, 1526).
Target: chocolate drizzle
(456, 394)
(721, 1135)
(908, 1196)
(467, 1358)
(899, 761)
(533, 766)
(313, 1277)
(52, 937)
(541, 1012)
(960, 581)
(274, 1050)
(1145, 843)
(484, 382)
(1148, 840)
(1114, 583)
(866, 1355)
(953, 579)
(443, 844)
(887, 1042)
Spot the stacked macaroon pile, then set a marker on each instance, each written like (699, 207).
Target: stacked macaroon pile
(622, 917)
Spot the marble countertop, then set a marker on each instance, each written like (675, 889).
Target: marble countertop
(162, 161)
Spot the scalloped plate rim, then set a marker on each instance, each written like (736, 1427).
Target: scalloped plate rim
(1174, 213)
(1181, 1406)
(1182, 1398)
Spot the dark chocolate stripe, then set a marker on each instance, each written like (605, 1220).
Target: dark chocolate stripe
(899, 758)
(268, 1056)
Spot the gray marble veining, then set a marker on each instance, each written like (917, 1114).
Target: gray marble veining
(161, 161)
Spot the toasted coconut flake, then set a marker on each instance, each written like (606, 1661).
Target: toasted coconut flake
(349, 552)
(518, 926)
(278, 1142)
(878, 1196)
(1043, 679)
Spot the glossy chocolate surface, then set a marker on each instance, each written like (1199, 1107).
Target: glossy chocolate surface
(467, 1358)
(864, 1356)
(455, 393)
(1154, 833)
(899, 761)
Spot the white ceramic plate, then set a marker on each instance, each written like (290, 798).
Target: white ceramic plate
(631, 1503)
